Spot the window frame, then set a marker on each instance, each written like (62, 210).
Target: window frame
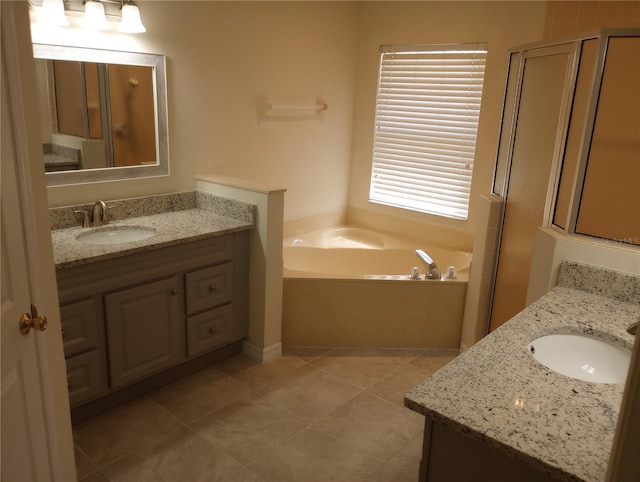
(424, 148)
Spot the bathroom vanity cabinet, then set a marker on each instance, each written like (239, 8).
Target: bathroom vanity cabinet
(133, 323)
(496, 413)
(443, 449)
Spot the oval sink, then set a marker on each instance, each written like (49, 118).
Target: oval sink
(116, 234)
(582, 357)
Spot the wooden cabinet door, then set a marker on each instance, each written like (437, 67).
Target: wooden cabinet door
(145, 330)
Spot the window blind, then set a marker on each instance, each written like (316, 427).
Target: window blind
(427, 111)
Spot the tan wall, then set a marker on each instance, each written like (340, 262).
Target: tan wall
(571, 17)
(221, 58)
(501, 25)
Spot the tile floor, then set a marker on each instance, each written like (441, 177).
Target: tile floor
(309, 415)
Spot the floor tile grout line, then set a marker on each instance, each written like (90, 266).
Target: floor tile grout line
(278, 444)
(213, 410)
(245, 465)
(145, 396)
(165, 409)
(387, 459)
(349, 382)
(140, 449)
(232, 375)
(97, 469)
(93, 474)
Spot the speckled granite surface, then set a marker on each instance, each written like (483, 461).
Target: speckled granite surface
(600, 281)
(65, 217)
(177, 218)
(496, 393)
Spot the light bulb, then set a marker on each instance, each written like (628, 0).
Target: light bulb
(52, 13)
(94, 17)
(131, 21)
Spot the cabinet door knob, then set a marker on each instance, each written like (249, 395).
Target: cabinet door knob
(64, 333)
(69, 385)
(212, 331)
(212, 288)
(174, 292)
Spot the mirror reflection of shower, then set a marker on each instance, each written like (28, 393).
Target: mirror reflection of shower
(99, 115)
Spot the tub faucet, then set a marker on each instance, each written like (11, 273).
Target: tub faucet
(432, 271)
(100, 216)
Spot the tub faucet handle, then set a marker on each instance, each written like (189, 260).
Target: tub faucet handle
(415, 273)
(432, 271)
(451, 273)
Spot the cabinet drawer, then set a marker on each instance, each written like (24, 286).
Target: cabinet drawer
(209, 330)
(83, 377)
(79, 327)
(209, 287)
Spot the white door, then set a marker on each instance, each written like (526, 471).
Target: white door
(22, 413)
(35, 441)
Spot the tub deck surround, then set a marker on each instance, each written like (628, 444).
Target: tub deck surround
(177, 218)
(349, 286)
(497, 394)
(353, 252)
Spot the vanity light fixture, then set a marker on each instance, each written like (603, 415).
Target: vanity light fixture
(93, 13)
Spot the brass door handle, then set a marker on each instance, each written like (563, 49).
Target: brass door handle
(32, 320)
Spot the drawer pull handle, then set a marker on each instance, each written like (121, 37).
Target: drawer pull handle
(212, 288)
(212, 331)
(174, 292)
(64, 333)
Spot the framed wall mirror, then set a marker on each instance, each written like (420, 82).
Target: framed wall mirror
(103, 114)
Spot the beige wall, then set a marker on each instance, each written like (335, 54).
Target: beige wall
(221, 58)
(571, 17)
(501, 25)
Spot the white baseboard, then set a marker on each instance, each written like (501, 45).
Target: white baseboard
(262, 355)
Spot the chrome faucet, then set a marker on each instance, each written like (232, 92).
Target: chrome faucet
(100, 216)
(432, 271)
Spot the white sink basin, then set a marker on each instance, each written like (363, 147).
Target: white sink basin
(116, 234)
(582, 357)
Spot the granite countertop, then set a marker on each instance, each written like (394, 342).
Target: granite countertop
(499, 395)
(172, 227)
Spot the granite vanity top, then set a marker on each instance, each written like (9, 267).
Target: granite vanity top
(499, 395)
(190, 221)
